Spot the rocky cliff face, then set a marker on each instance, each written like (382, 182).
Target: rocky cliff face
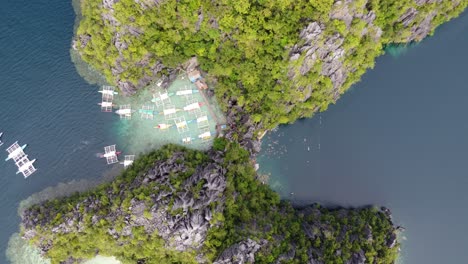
(168, 207)
(180, 211)
(325, 50)
(420, 19)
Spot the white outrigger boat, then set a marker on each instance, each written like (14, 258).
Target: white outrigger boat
(125, 112)
(163, 126)
(205, 135)
(108, 90)
(128, 160)
(107, 98)
(186, 92)
(25, 166)
(110, 154)
(15, 151)
(192, 106)
(187, 140)
(162, 97)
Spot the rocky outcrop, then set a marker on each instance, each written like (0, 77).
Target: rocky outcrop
(322, 51)
(181, 217)
(316, 228)
(240, 253)
(243, 130)
(418, 19)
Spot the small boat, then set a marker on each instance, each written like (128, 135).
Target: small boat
(108, 92)
(163, 126)
(161, 97)
(193, 106)
(170, 111)
(124, 112)
(25, 166)
(110, 154)
(205, 136)
(106, 106)
(15, 150)
(187, 140)
(1, 142)
(186, 92)
(105, 155)
(128, 160)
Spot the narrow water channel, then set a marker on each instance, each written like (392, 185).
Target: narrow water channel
(399, 138)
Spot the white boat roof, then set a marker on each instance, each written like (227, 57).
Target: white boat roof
(29, 169)
(128, 160)
(192, 106)
(169, 111)
(181, 124)
(13, 147)
(164, 126)
(202, 119)
(184, 92)
(15, 152)
(205, 135)
(124, 111)
(109, 149)
(163, 96)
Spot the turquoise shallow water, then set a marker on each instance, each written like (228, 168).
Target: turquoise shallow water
(399, 138)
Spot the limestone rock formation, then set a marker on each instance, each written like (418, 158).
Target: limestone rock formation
(181, 218)
(323, 49)
(240, 253)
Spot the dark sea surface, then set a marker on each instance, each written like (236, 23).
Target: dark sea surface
(399, 138)
(46, 104)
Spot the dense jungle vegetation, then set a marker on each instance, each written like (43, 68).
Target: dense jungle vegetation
(244, 45)
(251, 210)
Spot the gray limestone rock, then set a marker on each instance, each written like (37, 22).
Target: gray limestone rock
(240, 253)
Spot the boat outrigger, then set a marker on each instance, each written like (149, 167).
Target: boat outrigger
(128, 160)
(15, 151)
(25, 166)
(110, 154)
(125, 112)
(107, 98)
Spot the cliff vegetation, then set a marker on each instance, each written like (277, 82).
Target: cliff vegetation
(278, 59)
(177, 205)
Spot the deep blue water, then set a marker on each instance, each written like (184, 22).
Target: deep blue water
(398, 138)
(44, 103)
